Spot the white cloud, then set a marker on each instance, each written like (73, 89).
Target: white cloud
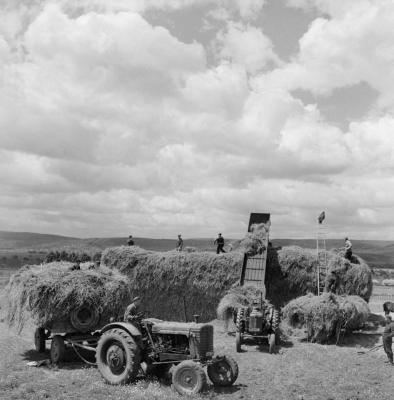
(247, 46)
(108, 124)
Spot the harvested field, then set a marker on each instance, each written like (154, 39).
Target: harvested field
(307, 371)
(51, 292)
(324, 316)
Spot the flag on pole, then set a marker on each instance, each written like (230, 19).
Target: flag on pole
(321, 217)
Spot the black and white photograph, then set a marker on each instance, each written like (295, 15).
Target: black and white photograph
(196, 199)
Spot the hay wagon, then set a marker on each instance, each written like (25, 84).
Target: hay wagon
(80, 331)
(259, 322)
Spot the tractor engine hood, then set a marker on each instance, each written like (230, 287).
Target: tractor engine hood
(169, 327)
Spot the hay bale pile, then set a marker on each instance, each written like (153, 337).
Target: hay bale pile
(51, 292)
(176, 285)
(324, 316)
(349, 277)
(292, 272)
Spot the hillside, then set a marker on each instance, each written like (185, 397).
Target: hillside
(377, 253)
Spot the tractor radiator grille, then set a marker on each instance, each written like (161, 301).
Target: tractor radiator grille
(202, 339)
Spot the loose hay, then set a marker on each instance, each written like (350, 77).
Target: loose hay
(176, 285)
(351, 278)
(50, 292)
(292, 272)
(241, 296)
(324, 316)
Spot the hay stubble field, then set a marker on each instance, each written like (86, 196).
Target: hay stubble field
(299, 371)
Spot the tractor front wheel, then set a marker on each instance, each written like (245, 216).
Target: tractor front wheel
(223, 371)
(189, 378)
(118, 357)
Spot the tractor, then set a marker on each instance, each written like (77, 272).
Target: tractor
(172, 350)
(261, 320)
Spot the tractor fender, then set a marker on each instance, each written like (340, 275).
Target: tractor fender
(129, 328)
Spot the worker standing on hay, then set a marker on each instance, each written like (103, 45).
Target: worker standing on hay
(348, 249)
(387, 337)
(179, 243)
(130, 241)
(219, 242)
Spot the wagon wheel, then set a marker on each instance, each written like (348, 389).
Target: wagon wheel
(84, 318)
(118, 357)
(223, 371)
(58, 349)
(39, 339)
(189, 378)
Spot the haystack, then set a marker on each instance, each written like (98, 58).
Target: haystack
(176, 285)
(292, 272)
(50, 293)
(349, 277)
(324, 316)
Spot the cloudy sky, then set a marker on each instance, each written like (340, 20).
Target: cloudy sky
(159, 117)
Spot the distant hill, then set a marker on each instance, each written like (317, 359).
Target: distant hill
(377, 253)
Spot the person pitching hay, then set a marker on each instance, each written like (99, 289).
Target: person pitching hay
(348, 249)
(387, 337)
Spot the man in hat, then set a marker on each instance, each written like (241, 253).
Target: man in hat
(387, 337)
(179, 243)
(130, 241)
(348, 249)
(132, 310)
(219, 242)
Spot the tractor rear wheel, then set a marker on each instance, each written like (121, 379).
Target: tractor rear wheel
(58, 349)
(189, 378)
(39, 339)
(118, 357)
(223, 371)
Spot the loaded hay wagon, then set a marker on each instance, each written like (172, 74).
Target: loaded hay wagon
(69, 307)
(259, 320)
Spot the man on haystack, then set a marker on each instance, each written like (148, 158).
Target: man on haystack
(219, 241)
(179, 243)
(387, 337)
(130, 241)
(348, 249)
